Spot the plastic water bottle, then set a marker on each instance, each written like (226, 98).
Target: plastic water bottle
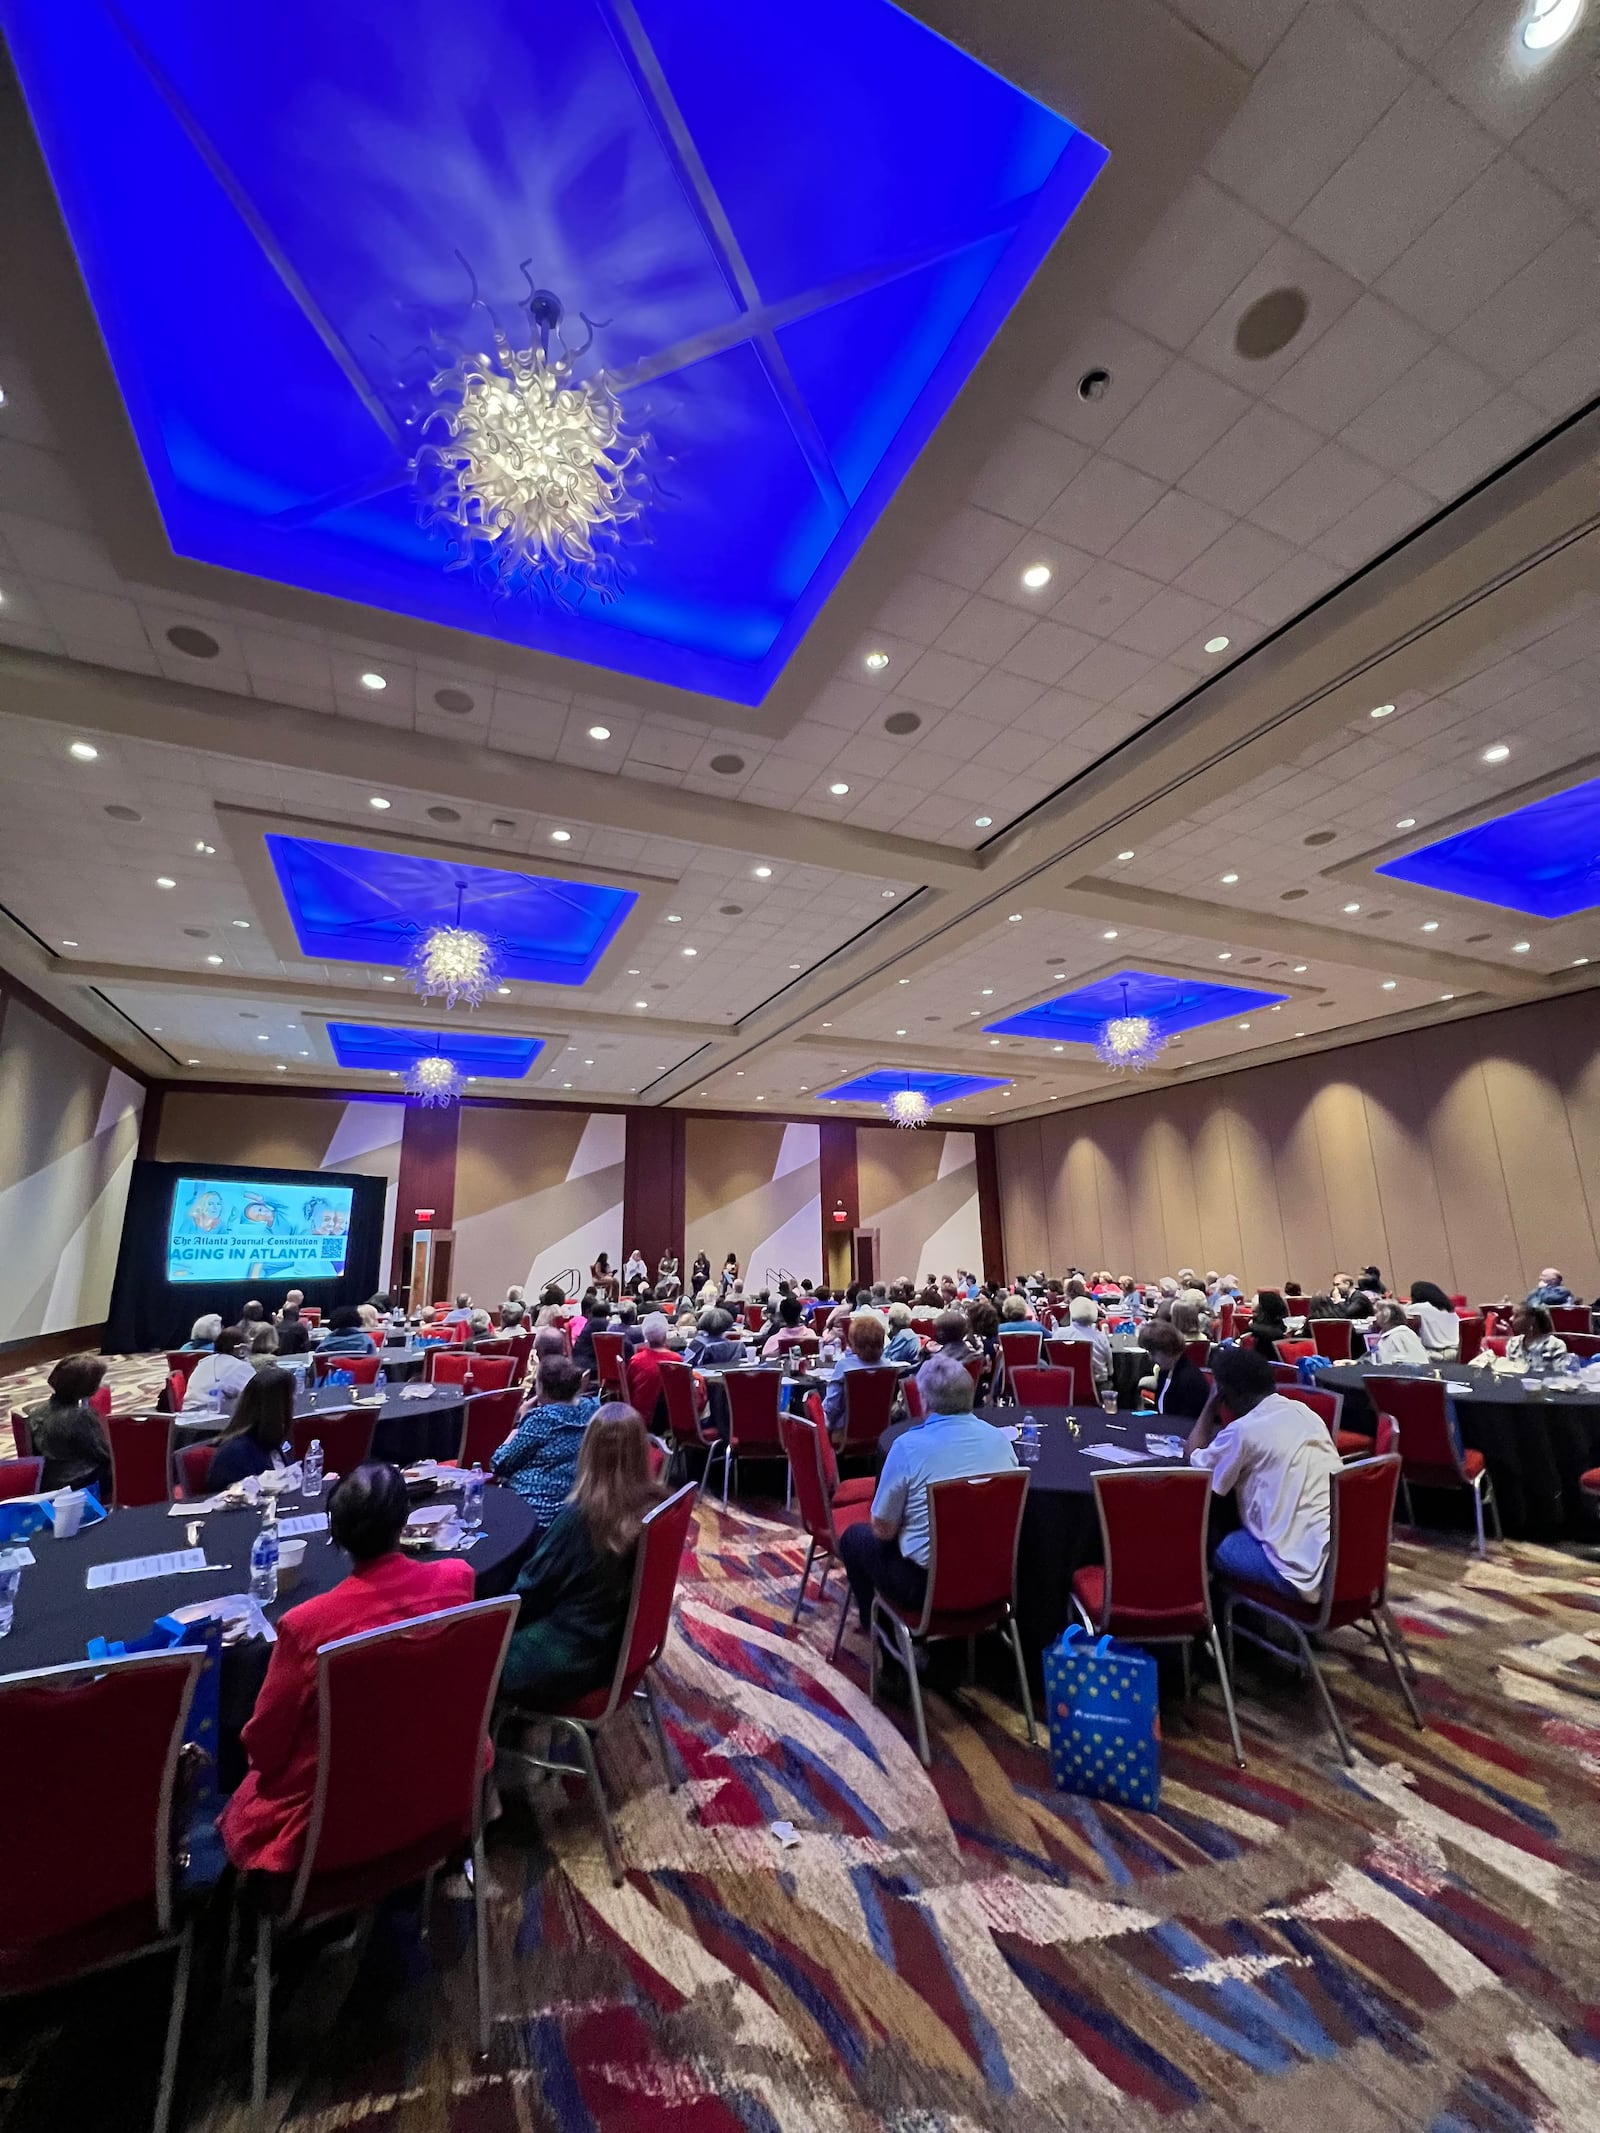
(1028, 1441)
(380, 1383)
(311, 1470)
(472, 1499)
(215, 1397)
(264, 1557)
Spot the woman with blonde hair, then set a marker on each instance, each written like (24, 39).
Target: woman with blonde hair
(576, 1585)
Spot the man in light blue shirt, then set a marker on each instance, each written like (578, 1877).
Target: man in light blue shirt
(890, 1554)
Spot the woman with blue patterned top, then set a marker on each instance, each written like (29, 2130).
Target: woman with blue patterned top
(540, 1457)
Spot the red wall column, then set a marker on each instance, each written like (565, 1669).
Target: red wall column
(653, 1186)
(990, 1228)
(427, 1172)
(840, 1187)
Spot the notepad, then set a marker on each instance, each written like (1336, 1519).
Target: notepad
(1118, 1454)
(134, 1569)
(304, 1522)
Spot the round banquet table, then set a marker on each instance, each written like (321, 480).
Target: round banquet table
(406, 1430)
(1535, 1444)
(57, 1614)
(1060, 1526)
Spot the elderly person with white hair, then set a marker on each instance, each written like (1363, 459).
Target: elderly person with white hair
(904, 1345)
(1083, 1324)
(203, 1333)
(890, 1555)
(1552, 1290)
(1015, 1317)
(643, 1368)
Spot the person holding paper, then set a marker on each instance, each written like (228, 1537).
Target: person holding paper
(264, 1824)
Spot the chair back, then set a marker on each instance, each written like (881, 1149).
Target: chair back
(977, 1367)
(1469, 1339)
(816, 1414)
(361, 1369)
(1225, 1321)
(461, 1332)
(657, 1562)
(312, 1314)
(445, 1366)
(1294, 1351)
(170, 1399)
(753, 1397)
(913, 1398)
(1197, 1351)
(1153, 1523)
(1076, 1357)
(1332, 1338)
(1284, 1374)
(141, 1459)
(677, 1390)
(1020, 1350)
(487, 1420)
(519, 1349)
(387, 1792)
(1361, 1515)
(1329, 1405)
(1045, 1386)
(182, 1360)
(754, 1318)
(21, 1435)
(800, 1443)
(489, 1373)
(100, 1401)
(868, 1403)
(1570, 1318)
(345, 1434)
(1583, 1345)
(57, 1725)
(496, 1344)
(1428, 1446)
(20, 1477)
(193, 1464)
(975, 1526)
(608, 1353)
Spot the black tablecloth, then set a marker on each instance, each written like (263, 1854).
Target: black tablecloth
(406, 1430)
(57, 1615)
(1535, 1445)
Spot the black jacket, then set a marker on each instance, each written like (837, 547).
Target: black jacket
(1187, 1390)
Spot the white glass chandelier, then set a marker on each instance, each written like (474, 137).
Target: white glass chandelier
(1127, 1042)
(454, 962)
(530, 469)
(908, 1107)
(434, 1080)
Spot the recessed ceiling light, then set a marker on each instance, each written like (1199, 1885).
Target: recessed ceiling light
(794, 966)
(1351, 909)
(1496, 754)
(889, 896)
(763, 873)
(1216, 644)
(1578, 961)
(374, 682)
(69, 944)
(902, 981)
(599, 733)
(1406, 822)
(634, 973)
(261, 1036)
(1244, 1025)
(243, 924)
(899, 1032)
(165, 881)
(213, 959)
(387, 979)
(191, 1062)
(827, 1025)
(641, 1003)
(305, 1055)
(1447, 996)
(1549, 22)
(838, 788)
(994, 1041)
(1058, 1047)
(982, 822)
(876, 662)
(1380, 711)
(1520, 947)
(691, 951)
(380, 803)
(1111, 936)
(1124, 855)
(1036, 576)
(1014, 918)
(988, 992)
(1228, 880)
(1430, 925)
(1388, 984)
(1300, 969)
(674, 918)
(85, 751)
(1226, 956)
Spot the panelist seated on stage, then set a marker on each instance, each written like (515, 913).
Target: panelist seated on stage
(264, 1824)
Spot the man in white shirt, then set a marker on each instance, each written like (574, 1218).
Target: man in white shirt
(890, 1555)
(1083, 1317)
(1277, 1457)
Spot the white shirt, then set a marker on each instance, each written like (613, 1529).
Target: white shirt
(232, 1372)
(1441, 1330)
(1279, 1458)
(1400, 1345)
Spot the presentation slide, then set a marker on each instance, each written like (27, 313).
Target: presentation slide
(225, 1230)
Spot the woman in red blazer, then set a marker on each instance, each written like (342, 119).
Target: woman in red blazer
(264, 1824)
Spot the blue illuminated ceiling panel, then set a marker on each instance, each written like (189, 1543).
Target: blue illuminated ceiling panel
(391, 1051)
(1173, 1004)
(802, 226)
(879, 1086)
(351, 905)
(1543, 859)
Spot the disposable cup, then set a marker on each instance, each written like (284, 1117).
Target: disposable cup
(67, 1512)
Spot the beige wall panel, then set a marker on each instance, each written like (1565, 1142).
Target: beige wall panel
(1221, 1247)
(538, 1197)
(1079, 1200)
(1144, 1173)
(1180, 1212)
(247, 1130)
(1020, 1167)
(754, 1188)
(1111, 1196)
(1408, 1187)
(503, 1155)
(1350, 1178)
(919, 1191)
(1538, 1159)
(1574, 1027)
(1255, 1192)
(1479, 1244)
(1290, 1121)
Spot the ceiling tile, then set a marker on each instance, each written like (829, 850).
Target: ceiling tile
(983, 629)
(1098, 508)
(1261, 450)
(969, 547)
(940, 678)
(1104, 596)
(1170, 536)
(1502, 221)
(1486, 440)
(1205, 242)
(1047, 652)
(1235, 564)
(1181, 416)
(1554, 296)
(1433, 398)
(1359, 357)
(1028, 472)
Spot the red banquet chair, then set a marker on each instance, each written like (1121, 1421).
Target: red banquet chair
(657, 1560)
(183, 1360)
(684, 1393)
(753, 1400)
(1354, 1587)
(361, 1369)
(1019, 1351)
(1585, 1346)
(192, 1464)
(1569, 1318)
(170, 1397)
(1332, 1337)
(487, 1420)
(141, 1459)
(496, 1344)
(1589, 1483)
(869, 1396)
(862, 1487)
(823, 1517)
(1044, 1386)
(393, 1801)
(1284, 1374)
(100, 1401)
(975, 1527)
(1351, 1444)
(1431, 1453)
(489, 1373)
(1469, 1339)
(519, 1348)
(609, 1350)
(21, 1435)
(1294, 1351)
(1076, 1357)
(69, 1909)
(977, 1368)
(911, 1392)
(1154, 1586)
(754, 1318)
(345, 1434)
(20, 1477)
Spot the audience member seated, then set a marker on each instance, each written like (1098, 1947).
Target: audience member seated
(1083, 1324)
(1277, 1457)
(462, 1313)
(1180, 1386)
(627, 1324)
(596, 1318)
(480, 1325)
(1321, 1305)
(903, 1346)
(576, 1585)
(1015, 1317)
(1438, 1324)
(294, 1335)
(1269, 1324)
(865, 1352)
(257, 1433)
(643, 1372)
(264, 1348)
(513, 1311)
(292, 1300)
(790, 1328)
(1360, 1306)
(552, 1309)
(983, 1321)
(227, 1368)
(540, 1457)
(252, 1315)
(1552, 1290)
(372, 1318)
(890, 1554)
(1398, 1342)
(713, 1346)
(346, 1334)
(203, 1333)
(1371, 1280)
(67, 1433)
(952, 1335)
(1534, 1344)
(264, 1824)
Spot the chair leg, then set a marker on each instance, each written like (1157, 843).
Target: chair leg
(727, 1472)
(1405, 1498)
(258, 2058)
(1188, 1674)
(667, 1761)
(822, 1586)
(480, 1927)
(1323, 1691)
(1215, 1647)
(169, 2056)
(844, 1616)
(1401, 1645)
(1477, 1512)
(800, 1596)
(1493, 1502)
(1022, 1681)
(597, 1793)
(908, 1659)
(425, 1930)
(1395, 1668)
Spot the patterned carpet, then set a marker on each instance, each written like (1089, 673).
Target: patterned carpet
(1412, 1944)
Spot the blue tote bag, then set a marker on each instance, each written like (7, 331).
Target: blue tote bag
(1105, 1720)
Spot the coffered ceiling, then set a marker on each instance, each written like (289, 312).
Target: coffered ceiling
(1045, 782)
